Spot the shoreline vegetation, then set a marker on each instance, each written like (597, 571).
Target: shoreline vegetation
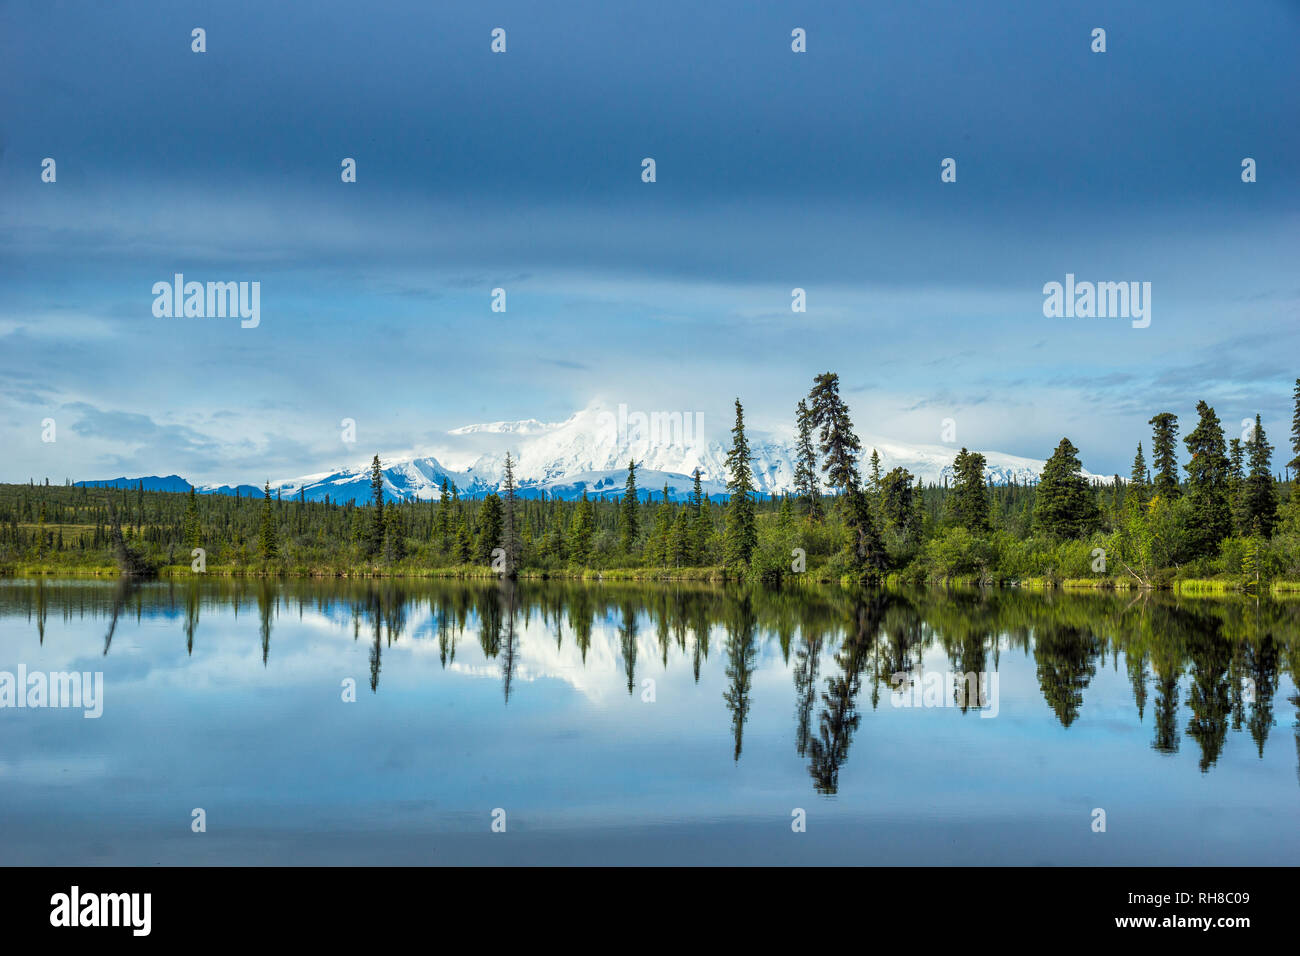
(1220, 523)
(707, 575)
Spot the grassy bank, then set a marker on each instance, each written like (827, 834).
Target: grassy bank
(818, 575)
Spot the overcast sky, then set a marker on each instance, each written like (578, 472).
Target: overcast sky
(522, 170)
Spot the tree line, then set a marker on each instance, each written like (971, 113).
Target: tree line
(1222, 514)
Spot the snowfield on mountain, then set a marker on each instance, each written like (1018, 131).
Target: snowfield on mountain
(590, 450)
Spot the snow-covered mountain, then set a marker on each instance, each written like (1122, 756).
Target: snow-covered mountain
(590, 451)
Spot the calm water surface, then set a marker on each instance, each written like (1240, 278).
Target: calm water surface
(644, 725)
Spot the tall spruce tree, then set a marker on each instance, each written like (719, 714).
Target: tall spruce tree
(629, 524)
(488, 529)
(1294, 463)
(464, 540)
(1137, 479)
(1164, 454)
(806, 483)
(898, 505)
(1064, 505)
(968, 503)
(657, 545)
(869, 555)
(442, 522)
(741, 533)
(785, 514)
(840, 449)
(679, 539)
(701, 524)
(1209, 514)
(1258, 496)
(839, 446)
(394, 533)
(510, 542)
(267, 538)
(581, 529)
(1236, 472)
(375, 544)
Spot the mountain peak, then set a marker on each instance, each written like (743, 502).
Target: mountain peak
(589, 451)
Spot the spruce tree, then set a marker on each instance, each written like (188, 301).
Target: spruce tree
(629, 524)
(40, 532)
(464, 541)
(376, 542)
(806, 483)
(701, 525)
(488, 529)
(267, 542)
(839, 446)
(510, 522)
(394, 534)
(899, 501)
(1064, 505)
(1137, 479)
(1209, 515)
(1258, 496)
(918, 501)
(581, 529)
(1294, 463)
(1250, 566)
(679, 540)
(1236, 504)
(968, 503)
(657, 546)
(1164, 457)
(870, 557)
(740, 533)
(442, 522)
(785, 515)
(193, 529)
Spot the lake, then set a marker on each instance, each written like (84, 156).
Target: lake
(413, 722)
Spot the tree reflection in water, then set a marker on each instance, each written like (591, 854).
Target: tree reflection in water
(1205, 666)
